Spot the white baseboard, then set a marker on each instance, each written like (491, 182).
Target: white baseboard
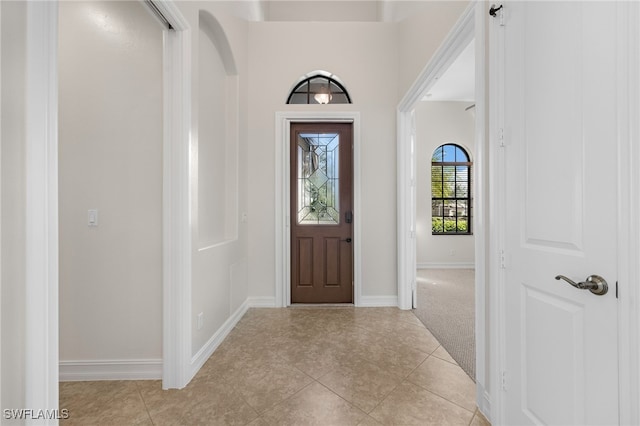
(151, 369)
(447, 265)
(262, 302)
(484, 405)
(198, 360)
(378, 301)
(111, 369)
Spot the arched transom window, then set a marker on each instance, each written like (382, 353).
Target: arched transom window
(450, 190)
(319, 87)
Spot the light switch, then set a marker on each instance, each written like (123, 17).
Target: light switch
(93, 217)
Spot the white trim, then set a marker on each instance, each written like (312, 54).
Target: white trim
(41, 311)
(628, 211)
(262, 302)
(282, 230)
(495, 219)
(470, 25)
(405, 213)
(218, 337)
(456, 41)
(484, 404)
(481, 220)
(446, 265)
(110, 369)
(1, 194)
(176, 209)
(378, 301)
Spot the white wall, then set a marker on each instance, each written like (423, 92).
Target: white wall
(217, 144)
(110, 159)
(421, 34)
(365, 57)
(219, 288)
(212, 145)
(438, 123)
(321, 11)
(12, 190)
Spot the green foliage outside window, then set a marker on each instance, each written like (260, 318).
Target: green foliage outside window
(440, 226)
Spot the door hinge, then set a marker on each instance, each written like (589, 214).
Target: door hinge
(503, 380)
(503, 260)
(616, 289)
(501, 137)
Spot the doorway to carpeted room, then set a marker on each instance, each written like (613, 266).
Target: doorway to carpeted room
(446, 306)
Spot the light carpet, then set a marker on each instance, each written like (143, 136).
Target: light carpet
(446, 306)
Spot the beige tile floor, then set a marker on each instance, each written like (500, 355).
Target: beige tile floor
(299, 366)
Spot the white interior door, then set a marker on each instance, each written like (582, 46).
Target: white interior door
(560, 134)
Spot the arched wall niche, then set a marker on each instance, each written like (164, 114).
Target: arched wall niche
(210, 26)
(217, 136)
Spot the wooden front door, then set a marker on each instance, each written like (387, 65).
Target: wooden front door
(321, 213)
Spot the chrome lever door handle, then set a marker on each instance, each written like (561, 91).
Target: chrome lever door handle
(594, 283)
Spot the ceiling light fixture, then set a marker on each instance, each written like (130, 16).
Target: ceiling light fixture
(323, 96)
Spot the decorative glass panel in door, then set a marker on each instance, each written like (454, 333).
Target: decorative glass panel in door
(318, 179)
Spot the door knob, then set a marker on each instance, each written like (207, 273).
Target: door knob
(594, 283)
(347, 240)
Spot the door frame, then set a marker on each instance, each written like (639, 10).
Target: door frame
(41, 222)
(283, 122)
(628, 227)
(41, 361)
(470, 26)
(176, 199)
(319, 292)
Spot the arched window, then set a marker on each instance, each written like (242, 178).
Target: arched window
(450, 190)
(319, 87)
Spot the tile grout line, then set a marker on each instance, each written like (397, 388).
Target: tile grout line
(440, 396)
(473, 417)
(144, 401)
(351, 404)
(261, 414)
(428, 390)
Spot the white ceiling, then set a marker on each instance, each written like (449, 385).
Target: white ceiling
(458, 81)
